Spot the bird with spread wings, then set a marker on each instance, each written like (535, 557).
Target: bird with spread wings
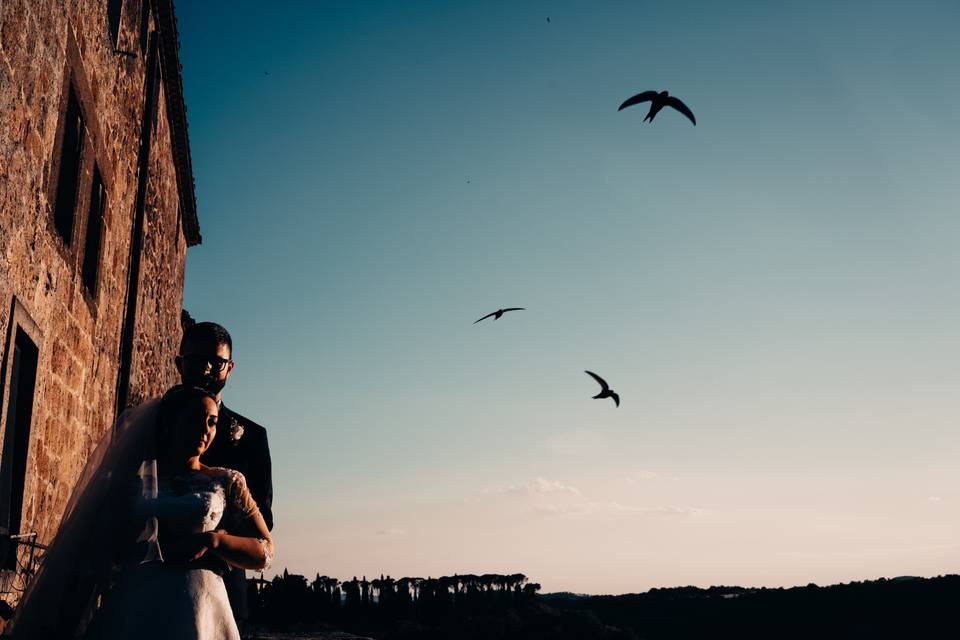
(658, 100)
(498, 313)
(605, 390)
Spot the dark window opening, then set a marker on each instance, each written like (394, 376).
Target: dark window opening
(91, 253)
(144, 24)
(69, 173)
(16, 442)
(114, 8)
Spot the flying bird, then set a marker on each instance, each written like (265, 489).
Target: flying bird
(658, 101)
(499, 312)
(605, 391)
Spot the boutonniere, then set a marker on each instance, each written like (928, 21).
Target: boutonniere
(235, 431)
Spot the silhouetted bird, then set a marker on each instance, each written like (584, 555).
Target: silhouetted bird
(658, 101)
(498, 313)
(606, 391)
(548, 18)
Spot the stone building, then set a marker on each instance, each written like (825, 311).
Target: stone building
(97, 209)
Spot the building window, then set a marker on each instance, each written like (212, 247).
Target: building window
(16, 442)
(91, 252)
(68, 178)
(114, 9)
(144, 25)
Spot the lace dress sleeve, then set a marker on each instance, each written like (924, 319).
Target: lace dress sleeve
(239, 499)
(243, 508)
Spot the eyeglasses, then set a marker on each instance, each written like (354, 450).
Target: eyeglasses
(197, 361)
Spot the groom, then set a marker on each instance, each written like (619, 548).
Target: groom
(206, 361)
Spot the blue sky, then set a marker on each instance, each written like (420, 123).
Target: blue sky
(772, 292)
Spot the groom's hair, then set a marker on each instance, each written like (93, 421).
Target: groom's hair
(207, 331)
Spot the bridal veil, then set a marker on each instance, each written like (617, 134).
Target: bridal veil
(98, 530)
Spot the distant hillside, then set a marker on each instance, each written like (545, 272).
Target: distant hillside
(904, 607)
(564, 595)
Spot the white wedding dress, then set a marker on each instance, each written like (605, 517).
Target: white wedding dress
(159, 600)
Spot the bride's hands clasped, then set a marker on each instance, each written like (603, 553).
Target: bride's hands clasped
(188, 548)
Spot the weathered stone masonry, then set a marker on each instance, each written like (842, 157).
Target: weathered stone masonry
(79, 296)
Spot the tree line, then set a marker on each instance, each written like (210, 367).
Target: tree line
(291, 599)
(498, 607)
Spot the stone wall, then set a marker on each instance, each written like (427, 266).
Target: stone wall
(44, 47)
(157, 333)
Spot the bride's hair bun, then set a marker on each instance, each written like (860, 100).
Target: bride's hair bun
(175, 399)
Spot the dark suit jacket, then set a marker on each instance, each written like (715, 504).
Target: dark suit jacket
(250, 455)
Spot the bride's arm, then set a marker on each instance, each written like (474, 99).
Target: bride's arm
(246, 541)
(247, 552)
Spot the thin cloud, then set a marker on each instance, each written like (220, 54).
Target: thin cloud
(641, 476)
(552, 509)
(540, 487)
(616, 507)
(678, 511)
(389, 532)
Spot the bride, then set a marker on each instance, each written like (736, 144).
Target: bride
(147, 504)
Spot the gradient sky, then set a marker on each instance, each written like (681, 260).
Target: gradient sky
(773, 292)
